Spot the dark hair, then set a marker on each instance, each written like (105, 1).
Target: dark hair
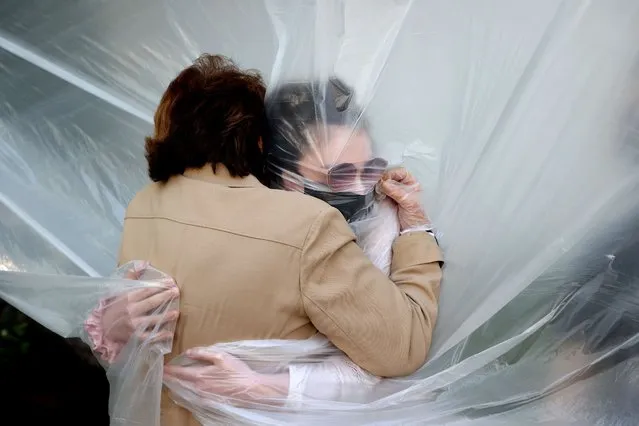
(292, 107)
(212, 113)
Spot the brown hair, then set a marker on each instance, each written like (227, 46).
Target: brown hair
(212, 113)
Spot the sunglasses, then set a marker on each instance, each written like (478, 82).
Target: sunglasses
(342, 176)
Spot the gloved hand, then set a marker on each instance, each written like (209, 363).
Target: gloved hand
(218, 375)
(130, 314)
(135, 313)
(402, 187)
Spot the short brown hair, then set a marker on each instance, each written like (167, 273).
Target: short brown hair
(212, 113)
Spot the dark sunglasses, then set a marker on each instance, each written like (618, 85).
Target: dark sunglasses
(341, 176)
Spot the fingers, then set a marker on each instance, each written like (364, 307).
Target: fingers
(205, 356)
(153, 302)
(138, 268)
(153, 321)
(399, 174)
(168, 282)
(399, 184)
(155, 337)
(193, 373)
(118, 329)
(143, 293)
(182, 373)
(395, 190)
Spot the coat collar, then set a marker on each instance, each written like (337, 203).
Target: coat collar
(221, 176)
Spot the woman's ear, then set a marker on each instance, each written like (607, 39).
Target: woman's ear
(260, 145)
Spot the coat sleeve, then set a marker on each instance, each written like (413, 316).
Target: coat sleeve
(384, 325)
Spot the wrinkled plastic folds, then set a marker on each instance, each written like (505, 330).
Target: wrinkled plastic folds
(520, 120)
(73, 306)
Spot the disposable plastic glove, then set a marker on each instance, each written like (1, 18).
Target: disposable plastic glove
(402, 187)
(136, 313)
(220, 376)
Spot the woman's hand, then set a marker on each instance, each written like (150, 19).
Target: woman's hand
(220, 374)
(135, 313)
(402, 187)
(140, 314)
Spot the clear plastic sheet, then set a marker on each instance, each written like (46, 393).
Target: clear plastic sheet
(102, 313)
(519, 120)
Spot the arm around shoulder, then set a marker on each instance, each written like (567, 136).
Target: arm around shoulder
(384, 325)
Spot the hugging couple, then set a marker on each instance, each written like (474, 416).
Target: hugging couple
(274, 220)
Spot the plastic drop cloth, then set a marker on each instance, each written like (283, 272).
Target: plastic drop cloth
(131, 352)
(520, 121)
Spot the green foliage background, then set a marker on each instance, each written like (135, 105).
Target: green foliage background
(15, 336)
